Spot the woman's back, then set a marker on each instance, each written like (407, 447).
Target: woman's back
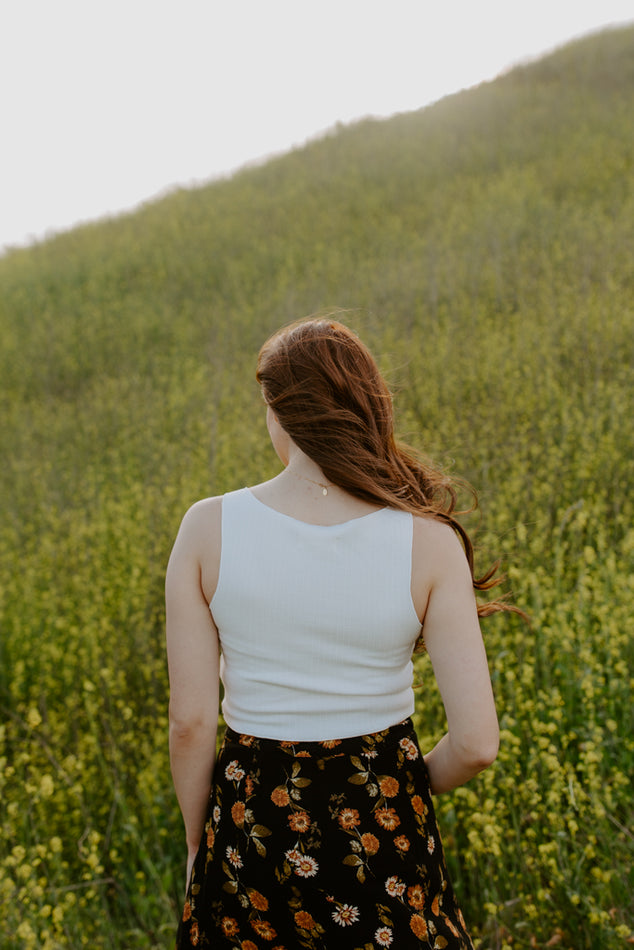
(316, 622)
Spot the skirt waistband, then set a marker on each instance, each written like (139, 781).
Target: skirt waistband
(308, 748)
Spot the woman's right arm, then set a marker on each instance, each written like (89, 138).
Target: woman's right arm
(451, 631)
(193, 661)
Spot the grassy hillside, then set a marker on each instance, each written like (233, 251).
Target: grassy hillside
(483, 250)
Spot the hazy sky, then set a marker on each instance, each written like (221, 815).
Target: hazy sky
(105, 104)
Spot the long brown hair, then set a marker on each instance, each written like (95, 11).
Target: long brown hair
(330, 397)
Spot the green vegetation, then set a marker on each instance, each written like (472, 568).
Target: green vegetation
(484, 249)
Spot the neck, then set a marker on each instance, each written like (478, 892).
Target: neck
(314, 475)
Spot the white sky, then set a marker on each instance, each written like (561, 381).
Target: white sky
(105, 103)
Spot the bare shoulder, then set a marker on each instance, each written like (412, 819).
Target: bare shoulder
(202, 520)
(436, 543)
(196, 551)
(199, 530)
(437, 558)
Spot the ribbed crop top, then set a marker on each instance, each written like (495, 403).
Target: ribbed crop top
(316, 622)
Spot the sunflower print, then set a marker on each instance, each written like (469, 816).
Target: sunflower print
(321, 844)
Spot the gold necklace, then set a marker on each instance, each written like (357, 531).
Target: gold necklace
(324, 488)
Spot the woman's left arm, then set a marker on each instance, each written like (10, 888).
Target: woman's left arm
(193, 662)
(452, 635)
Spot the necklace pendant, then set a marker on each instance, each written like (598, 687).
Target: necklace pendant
(324, 491)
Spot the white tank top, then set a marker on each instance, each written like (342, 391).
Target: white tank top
(316, 623)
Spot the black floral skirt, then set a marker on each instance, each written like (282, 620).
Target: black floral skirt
(321, 845)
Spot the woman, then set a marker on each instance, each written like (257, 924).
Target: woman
(315, 827)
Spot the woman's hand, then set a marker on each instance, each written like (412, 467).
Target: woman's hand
(191, 855)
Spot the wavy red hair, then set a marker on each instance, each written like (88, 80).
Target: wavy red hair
(328, 394)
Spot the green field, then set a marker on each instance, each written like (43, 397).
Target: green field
(483, 248)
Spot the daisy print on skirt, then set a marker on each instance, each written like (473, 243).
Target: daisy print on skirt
(317, 845)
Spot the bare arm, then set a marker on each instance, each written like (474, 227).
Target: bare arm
(193, 662)
(454, 643)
